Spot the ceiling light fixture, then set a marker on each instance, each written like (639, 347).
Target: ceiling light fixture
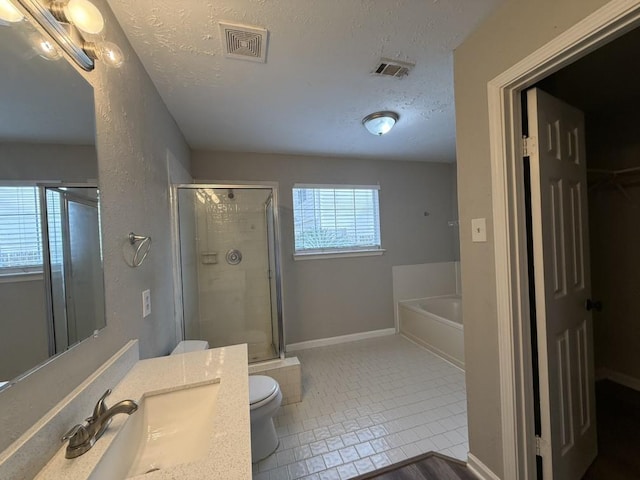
(379, 123)
(9, 13)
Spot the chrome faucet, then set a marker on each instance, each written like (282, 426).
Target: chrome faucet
(84, 435)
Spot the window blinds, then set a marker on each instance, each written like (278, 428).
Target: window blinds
(329, 219)
(20, 237)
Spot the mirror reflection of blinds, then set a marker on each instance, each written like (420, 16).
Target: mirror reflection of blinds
(336, 219)
(20, 236)
(20, 229)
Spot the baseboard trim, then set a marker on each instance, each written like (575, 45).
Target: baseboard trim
(354, 337)
(479, 469)
(617, 377)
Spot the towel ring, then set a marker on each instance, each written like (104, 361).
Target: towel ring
(141, 251)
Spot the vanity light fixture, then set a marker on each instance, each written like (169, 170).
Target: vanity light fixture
(65, 20)
(9, 12)
(379, 123)
(83, 14)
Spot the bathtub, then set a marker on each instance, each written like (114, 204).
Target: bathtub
(435, 323)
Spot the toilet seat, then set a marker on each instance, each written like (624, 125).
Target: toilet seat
(262, 390)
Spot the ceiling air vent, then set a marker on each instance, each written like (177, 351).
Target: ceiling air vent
(393, 68)
(243, 42)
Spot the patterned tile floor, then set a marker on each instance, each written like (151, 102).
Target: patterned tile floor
(366, 405)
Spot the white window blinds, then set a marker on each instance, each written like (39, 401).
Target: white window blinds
(330, 218)
(20, 237)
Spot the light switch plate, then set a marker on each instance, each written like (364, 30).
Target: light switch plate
(146, 303)
(478, 229)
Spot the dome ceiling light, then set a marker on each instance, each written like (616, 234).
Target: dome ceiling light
(379, 123)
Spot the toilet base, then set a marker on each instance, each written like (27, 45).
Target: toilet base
(264, 440)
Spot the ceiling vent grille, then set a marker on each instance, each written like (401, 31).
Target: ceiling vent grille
(392, 68)
(243, 42)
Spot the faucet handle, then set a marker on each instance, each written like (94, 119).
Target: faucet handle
(76, 436)
(100, 407)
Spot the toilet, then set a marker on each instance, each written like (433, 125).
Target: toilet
(265, 398)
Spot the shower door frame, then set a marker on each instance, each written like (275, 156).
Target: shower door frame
(177, 257)
(46, 258)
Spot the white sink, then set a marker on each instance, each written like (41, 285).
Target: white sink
(169, 428)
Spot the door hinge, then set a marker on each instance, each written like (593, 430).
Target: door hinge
(529, 146)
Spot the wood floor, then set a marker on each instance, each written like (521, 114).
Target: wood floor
(429, 466)
(618, 417)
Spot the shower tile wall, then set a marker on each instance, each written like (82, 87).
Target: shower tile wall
(234, 301)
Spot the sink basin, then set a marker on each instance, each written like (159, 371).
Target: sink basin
(169, 428)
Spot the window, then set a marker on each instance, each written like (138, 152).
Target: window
(20, 236)
(330, 219)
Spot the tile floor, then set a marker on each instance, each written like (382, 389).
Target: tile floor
(366, 405)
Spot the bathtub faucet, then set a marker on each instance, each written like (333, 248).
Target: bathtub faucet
(84, 435)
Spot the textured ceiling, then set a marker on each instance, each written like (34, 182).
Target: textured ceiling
(315, 88)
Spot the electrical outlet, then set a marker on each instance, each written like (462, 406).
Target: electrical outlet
(146, 303)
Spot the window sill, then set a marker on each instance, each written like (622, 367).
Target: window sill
(338, 254)
(20, 277)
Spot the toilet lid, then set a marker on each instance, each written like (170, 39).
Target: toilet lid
(261, 387)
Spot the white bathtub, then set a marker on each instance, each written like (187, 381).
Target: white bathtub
(435, 323)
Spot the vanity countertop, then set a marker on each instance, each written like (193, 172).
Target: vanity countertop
(230, 454)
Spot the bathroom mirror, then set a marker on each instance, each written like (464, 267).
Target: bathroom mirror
(50, 298)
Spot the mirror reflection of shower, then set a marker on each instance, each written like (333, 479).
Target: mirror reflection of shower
(73, 267)
(229, 267)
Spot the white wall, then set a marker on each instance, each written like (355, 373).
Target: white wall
(136, 141)
(513, 31)
(332, 297)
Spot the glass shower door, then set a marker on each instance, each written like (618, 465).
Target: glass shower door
(75, 263)
(225, 236)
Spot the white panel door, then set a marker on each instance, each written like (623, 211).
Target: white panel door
(562, 281)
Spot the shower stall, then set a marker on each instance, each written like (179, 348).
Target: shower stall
(229, 269)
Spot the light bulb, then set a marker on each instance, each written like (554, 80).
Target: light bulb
(106, 52)
(110, 54)
(9, 12)
(84, 15)
(45, 48)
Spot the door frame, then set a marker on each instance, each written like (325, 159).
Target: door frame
(509, 226)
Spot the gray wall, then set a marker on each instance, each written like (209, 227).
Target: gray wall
(513, 31)
(615, 253)
(137, 141)
(38, 161)
(24, 342)
(330, 297)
